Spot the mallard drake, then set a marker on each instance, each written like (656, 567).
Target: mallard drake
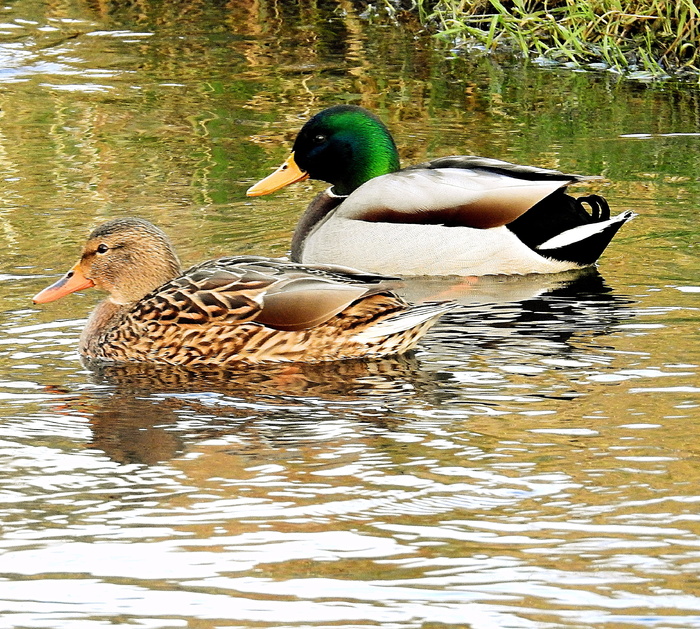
(460, 215)
(231, 310)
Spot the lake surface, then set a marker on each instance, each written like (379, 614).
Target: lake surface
(534, 465)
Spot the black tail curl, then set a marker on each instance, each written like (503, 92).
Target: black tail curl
(560, 212)
(556, 214)
(600, 210)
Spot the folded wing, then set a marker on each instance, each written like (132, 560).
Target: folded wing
(277, 294)
(454, 191)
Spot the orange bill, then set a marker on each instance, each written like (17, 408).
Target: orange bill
(287, 173)
(71, 282)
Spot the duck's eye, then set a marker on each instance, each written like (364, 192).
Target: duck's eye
(103, 248)
(320, 138)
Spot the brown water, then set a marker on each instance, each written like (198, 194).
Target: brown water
(534, 465)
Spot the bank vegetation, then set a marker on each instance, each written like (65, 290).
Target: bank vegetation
(643, 37)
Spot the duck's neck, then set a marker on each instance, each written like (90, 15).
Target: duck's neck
(324, 203)
(104, 315)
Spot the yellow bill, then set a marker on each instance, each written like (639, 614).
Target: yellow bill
(287, 173)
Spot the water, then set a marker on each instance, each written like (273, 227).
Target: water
(533, 465)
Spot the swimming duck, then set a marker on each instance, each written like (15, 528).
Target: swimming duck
(231, 310)
(459, 215)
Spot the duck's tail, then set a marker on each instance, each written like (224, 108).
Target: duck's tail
(562, 228)
(402, 331)
(584, 244)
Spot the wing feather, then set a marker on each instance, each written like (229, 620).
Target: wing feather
(275, 293)
(303, 303)
(464, 197)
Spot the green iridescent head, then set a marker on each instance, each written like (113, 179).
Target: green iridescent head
(345, 145)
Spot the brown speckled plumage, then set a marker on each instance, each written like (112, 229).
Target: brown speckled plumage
(231, 310)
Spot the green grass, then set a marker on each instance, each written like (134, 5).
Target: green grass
(643, 37)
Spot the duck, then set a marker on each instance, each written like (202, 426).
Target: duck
(459, 215)
(231, 310)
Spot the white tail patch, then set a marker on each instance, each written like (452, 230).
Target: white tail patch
(404, 321)
(582, 232)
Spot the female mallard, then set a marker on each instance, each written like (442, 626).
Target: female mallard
(231, 310)
(460, 215)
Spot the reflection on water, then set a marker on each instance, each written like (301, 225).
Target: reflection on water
(532, 464)
(137, 410)
(135, 405)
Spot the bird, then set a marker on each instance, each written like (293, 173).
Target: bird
(459, 215)
(231, 310)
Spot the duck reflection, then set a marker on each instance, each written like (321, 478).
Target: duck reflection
(342, 379)
(143, 413)
(519, 310)
(131, 429)
(493, 289)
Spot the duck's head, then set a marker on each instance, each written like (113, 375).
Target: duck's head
(344, 145)
(127, 257)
